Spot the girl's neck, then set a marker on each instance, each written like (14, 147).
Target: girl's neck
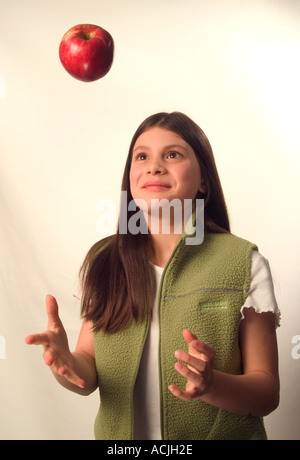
(165, 233)
(162, 247)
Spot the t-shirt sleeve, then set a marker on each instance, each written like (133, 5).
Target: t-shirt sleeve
(261, 294)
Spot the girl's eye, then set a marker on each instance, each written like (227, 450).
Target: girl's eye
(141, 156)
(173, 155)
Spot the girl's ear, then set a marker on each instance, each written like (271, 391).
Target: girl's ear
(202, 188)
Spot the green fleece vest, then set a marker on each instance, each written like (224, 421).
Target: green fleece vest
(202, 289)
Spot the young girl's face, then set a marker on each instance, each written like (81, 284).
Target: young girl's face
(164, 166)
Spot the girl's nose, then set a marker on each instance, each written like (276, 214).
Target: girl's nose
(156, 167)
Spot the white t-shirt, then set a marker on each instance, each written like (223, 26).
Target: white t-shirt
(146, 393)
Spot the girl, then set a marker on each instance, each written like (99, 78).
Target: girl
(180, 338)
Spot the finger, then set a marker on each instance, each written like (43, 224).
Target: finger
(196, 346)
(196, 363)
(184, 395)
(191, 339)
(37, 339)
(59, 367)
(52, 312)
(71, 376)
(193, 377)
(49, 358)
(206, 352)
(188, 336)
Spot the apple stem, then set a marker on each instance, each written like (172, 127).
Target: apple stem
(86, 35)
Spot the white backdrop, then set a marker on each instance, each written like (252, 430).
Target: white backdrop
(231, 65)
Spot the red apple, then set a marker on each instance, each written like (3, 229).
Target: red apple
(86, 52)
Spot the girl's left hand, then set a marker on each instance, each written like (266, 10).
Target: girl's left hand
(199, 369)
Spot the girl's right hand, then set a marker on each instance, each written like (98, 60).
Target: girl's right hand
(57, 354)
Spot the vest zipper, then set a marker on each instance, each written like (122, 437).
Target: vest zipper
(159, 359)
(180, 242)
(136, 373)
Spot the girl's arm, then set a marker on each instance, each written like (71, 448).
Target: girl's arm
(256, 391)
(75, 371)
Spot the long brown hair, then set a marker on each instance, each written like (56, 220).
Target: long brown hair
(115, 275)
